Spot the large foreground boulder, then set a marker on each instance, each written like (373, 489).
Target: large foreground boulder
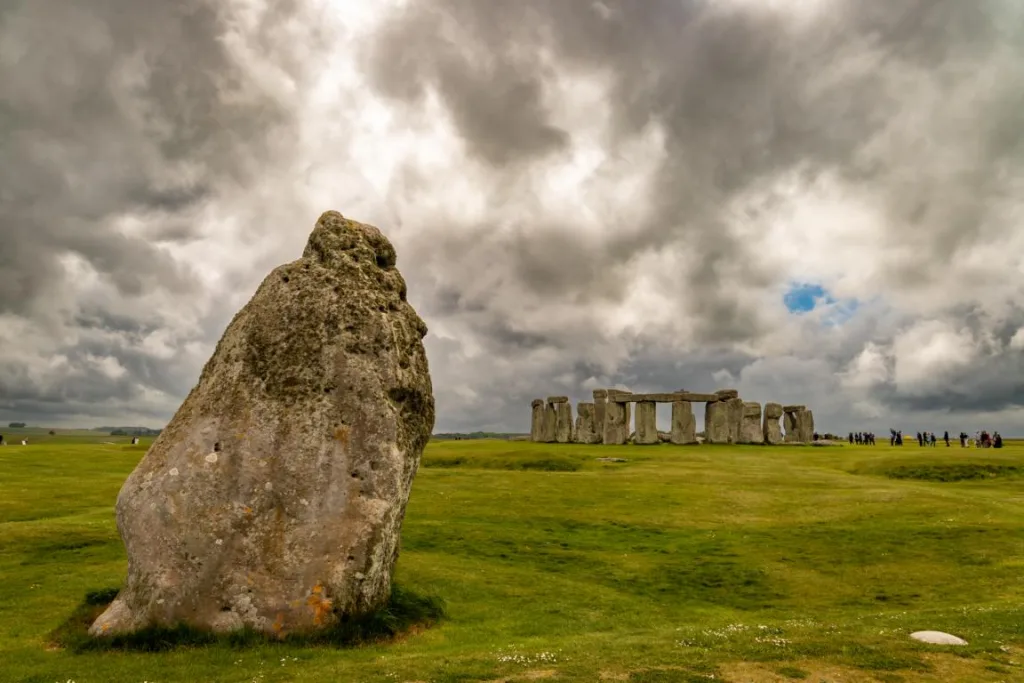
(274, 498)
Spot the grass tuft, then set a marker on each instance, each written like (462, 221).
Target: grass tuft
(405, 612)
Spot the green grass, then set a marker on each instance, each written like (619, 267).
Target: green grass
(742, 563)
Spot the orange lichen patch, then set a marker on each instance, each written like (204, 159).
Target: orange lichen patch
(320, 604)
(279, 623)
(342, 433)
(247, 510)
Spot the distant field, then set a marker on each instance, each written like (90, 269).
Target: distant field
(682, 564)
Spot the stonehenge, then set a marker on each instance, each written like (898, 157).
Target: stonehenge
(728, 419)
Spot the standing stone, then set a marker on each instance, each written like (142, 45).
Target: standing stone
(716, 422)
(751, 430)
(616, 430)
(629, 416)
(734, 408)
(600, 402)
(646, 423)
(684, 426)
(772, 431)
(550, 423)
(537, 420)
(274, 498)
(790, 422)
(563, 422)
(806, 426)
(586, 430)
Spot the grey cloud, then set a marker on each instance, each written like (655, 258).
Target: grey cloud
(884, 95)
(116, 109)
(110, 109)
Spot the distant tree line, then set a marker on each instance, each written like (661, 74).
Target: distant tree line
(455, 436)
(129, 431)
(16, 425)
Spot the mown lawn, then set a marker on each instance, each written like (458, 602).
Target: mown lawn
(682, 564)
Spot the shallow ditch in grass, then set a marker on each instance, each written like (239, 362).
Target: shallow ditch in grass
(943, 472)
(542, 464)
(405, 613)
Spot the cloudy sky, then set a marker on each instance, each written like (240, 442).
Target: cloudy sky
(813, 201)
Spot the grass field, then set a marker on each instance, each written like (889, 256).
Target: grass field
(682, 564)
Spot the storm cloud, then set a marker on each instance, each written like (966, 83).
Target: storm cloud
(582, 194)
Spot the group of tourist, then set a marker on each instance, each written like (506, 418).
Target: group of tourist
(862, 438)
(982, 439)
(24, 442)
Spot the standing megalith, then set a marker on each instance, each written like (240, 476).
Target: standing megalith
(791, 421)
(550, 423)
(751, 430)
(586, 429)
(684, 426)
(772, 430)
(563, 418)
(806, 426)
(537, 420)
(734, 408)
(600, 402)
(716, 422)
(616, 429)
(274, 498)
(646, 423)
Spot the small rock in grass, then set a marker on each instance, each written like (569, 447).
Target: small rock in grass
(937, 638)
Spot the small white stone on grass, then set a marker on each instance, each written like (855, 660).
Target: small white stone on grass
(937, 638)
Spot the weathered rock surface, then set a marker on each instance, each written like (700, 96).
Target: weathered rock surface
(616, 429)
(563, 422)
(716, 422)
(684, 426)
(550, 423)
(537, 419)
(586, 431)
(806, 425)
(772, 430)
(799, 423)
(734, 406)
(789, 423)
(558, 399)
(646, 423)
(751, 430)
(600, 400)
(275, 496)
(724, 394)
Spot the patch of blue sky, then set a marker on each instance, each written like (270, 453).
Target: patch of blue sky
(805, 297)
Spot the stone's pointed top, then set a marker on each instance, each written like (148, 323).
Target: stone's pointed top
(558, 399)
(334, 235)
(537, 402)
(793, 408)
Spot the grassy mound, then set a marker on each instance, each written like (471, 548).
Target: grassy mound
(405, 612)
